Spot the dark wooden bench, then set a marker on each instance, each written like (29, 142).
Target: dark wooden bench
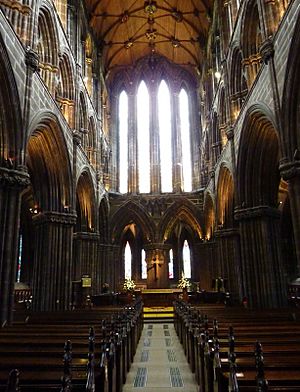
(209, 360)
(35, 348)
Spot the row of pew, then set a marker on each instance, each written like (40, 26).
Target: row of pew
(99, 345)
(240, 350)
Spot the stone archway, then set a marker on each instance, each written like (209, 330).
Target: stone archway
(13, 180)
(258, 215)
(53, 215)
(227, 235)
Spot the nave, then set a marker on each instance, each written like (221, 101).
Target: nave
(208, 348)
(160, 363)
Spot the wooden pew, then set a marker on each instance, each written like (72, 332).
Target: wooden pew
(202, 346)
(34, 348)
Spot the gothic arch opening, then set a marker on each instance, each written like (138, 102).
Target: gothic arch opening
(50, 205)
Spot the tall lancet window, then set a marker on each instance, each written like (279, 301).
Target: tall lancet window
(143, 138)
(186, 256)
(164, 115)
(127, 257)
(185, 141)
(144, 265)
(123, 143)
(171, 264)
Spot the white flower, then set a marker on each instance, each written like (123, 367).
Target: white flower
(129, 284)
(183, 282)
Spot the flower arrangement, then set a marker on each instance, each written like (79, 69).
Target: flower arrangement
(129, 284)
(183, 282)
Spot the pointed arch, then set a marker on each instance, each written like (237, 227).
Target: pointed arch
(291, 98)
(47, 46)
(251, 39)
(209, 215)
(85, 203)
(180, 211)
(48, 163)
(132, 212)
(103, 220)
(10, 120)
(65, 90)
(258, 158)
(225, 198)
(238, 88)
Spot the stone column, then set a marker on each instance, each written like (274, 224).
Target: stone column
(205, 269)
(132, 145)
(85, 260)
(229, 261)
(155, 185)
(12, 182)
(112, 268)
(52, 276)
(290, 172)
(157, 258)
(176, 143)
(262, 272)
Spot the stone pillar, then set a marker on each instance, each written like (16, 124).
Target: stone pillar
(157, 258)
(290, 172)
(155, 185)
(204, 271)
(176, 143)
(52, 277)
(85, 260)
(12, 182)
(228, 246)
(132, 145)
(112, 267)
(262, 272)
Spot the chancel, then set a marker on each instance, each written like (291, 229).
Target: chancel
(152, 148)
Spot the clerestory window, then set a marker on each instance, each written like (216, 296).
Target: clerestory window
(154, 138)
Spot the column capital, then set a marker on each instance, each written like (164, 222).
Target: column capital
(157, 246)
(256, 212)
(31, 59)
(267, 50)
(88, 236)
(55, 217)
(229, 133)
(77, 137)
(14, 178)
(226, 232)
(289, 169)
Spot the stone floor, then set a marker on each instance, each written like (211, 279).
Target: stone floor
(160, 364)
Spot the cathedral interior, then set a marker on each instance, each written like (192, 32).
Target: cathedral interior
(146, 139)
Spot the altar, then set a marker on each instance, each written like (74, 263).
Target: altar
(160, 297)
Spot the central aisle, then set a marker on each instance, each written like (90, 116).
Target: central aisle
(160, 363)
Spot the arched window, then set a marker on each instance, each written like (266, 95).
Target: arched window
(154, 133)
(127, 257)
(186, 256)
(185, 141)
(19, 263)
(123, 142)
(144, 265)
(143, 138)
(165, 137)
(171, 265)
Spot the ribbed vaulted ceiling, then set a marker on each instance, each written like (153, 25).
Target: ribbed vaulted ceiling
(130, 29)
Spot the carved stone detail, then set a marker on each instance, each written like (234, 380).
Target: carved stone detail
(32, 59)
(256, 212)
(267, 50)
(14, 178)
(55, 217)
